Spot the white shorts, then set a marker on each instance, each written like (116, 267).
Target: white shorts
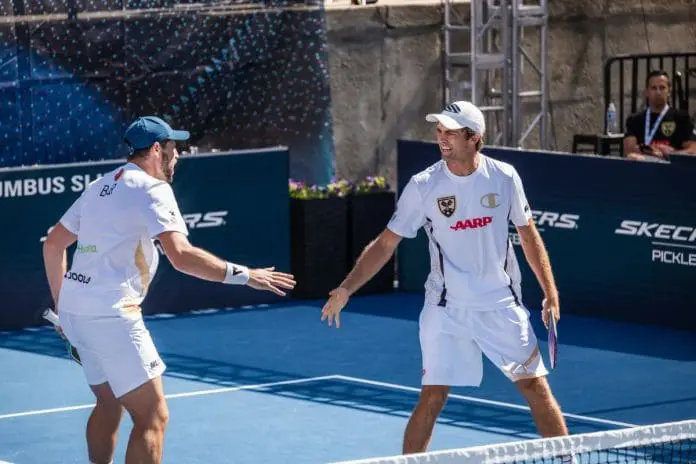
(452, 342)
(118, 350)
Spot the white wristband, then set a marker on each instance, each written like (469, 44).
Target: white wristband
(236, 274)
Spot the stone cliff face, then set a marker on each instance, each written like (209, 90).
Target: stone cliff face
(386, 69)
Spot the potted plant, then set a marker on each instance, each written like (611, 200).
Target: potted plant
(370, 206)
(318, 233)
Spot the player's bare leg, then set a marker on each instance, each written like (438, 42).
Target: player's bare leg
(420, 426)
(102, 426)
(545, 409)
(148, 409)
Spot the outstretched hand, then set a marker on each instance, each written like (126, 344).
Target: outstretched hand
(332, 309)
(269, 279)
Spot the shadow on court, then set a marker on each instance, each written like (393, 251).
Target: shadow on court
(457, 413)
(379, 341)
(587, 332)
(41, 340)
(335, 392)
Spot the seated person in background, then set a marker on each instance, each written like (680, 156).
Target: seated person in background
(659, 130)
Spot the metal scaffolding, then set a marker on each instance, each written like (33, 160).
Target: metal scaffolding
(489, 60)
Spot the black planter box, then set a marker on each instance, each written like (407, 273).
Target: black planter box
(318, 234)
(368, 215)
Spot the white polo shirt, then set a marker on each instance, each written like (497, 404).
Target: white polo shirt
(116, 219)
(466, 218)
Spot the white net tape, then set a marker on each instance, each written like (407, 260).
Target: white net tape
(673, 442)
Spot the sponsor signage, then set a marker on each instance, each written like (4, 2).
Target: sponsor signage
(227, 212)
(621, 235)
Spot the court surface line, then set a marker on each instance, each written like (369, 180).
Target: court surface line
(479, 400)
(316, 379)
(212, 391)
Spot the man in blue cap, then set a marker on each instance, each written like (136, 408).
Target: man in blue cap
(115, 221)
(152, 133)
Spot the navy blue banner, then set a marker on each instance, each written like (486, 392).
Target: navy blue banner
(228, 210)
(621, 234)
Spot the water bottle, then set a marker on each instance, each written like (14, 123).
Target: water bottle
(612, 120)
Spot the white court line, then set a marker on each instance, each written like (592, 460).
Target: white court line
(316, 379)
(177, 395)
(250, 387)
(479, 400)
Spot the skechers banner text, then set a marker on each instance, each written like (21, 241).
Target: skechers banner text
(679, 233)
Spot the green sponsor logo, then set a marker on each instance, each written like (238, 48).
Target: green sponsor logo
(86, 248)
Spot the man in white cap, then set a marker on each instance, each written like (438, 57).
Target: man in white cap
(473, 303)
(115, 221)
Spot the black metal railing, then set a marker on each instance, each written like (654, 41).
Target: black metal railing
(624, 81)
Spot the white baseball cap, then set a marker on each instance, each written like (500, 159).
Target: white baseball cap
(459, 115)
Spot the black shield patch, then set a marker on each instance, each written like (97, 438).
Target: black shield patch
(447, 205)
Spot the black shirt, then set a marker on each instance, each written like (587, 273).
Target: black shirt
(675, 128)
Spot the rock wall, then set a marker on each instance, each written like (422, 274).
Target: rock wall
(386, 69)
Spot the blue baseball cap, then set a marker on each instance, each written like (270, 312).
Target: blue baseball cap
(146, 130)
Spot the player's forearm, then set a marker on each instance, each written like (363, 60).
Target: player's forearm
(689, 149)
(55, 265)
(371, 260)
(200, 263)
(538, 259)
(630, 145)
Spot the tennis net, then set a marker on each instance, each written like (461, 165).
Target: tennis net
(668, 443)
